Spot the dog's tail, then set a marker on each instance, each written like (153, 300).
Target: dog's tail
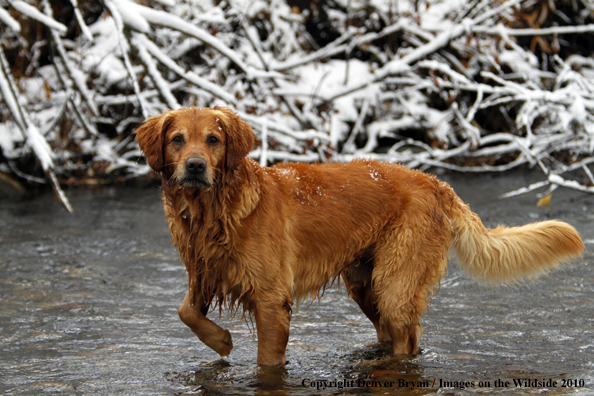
(510, 254)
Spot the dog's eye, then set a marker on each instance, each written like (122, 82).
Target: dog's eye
(178, 139)
(213, 140)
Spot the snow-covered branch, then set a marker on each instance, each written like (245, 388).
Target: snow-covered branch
(29, 131)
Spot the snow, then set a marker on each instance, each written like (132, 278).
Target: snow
(33, 13)
(9, 21)
(131, 17)
(9, 142)
(111, 70)
(33, 89)
(40, 147)
(171, 21)
(525, 63)
(151, 68)
(10, 100)
(102, 56)
(188, 75)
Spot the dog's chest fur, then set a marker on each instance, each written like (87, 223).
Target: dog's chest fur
(204, 229)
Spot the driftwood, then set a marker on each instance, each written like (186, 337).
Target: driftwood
(477, 86)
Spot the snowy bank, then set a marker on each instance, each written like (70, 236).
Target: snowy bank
(470, 86)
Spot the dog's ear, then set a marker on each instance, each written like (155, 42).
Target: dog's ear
(150, 137)
(240, 137)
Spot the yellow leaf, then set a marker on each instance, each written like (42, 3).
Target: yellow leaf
(546, 200)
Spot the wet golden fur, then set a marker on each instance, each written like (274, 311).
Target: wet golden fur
(266, 237)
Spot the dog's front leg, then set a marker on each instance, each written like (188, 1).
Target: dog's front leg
(193, 313)
(272, 323)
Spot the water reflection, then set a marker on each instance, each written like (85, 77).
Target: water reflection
(370, 370)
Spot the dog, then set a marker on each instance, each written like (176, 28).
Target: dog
(264, 238)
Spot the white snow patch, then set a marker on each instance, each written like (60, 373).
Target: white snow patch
(33, 13)
(9, 141)
(33, 89)
(131, 17)
(524, 64)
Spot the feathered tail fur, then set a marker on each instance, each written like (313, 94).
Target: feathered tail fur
(510, 254)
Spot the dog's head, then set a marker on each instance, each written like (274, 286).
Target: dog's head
(195, 147)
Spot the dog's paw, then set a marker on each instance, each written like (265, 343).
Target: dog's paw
(225, 345)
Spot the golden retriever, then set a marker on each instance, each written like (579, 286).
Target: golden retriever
(265, 237)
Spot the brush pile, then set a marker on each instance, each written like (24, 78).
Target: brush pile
(471, 86)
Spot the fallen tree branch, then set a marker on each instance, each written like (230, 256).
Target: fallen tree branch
(33, 138)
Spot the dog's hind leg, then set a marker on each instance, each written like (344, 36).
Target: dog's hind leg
(193, 312)
(357, 279)
(402, 298)
(272, 323)
(409, 264)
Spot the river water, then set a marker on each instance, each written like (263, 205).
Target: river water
(89, 307)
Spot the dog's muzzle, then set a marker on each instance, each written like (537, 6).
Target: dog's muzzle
(195, 174)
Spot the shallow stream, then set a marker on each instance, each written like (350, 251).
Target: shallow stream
(89, 307)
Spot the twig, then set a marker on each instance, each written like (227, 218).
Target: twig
(9, 21)
(151, 68)
(189, 76)
(33, 13)
(75, 75)
(349, 145)
(124, 47)
(264, 141)
(81, 21)
(556, 30)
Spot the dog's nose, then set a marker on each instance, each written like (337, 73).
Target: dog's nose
(195, 164)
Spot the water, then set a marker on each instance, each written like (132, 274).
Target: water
(89, 307)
